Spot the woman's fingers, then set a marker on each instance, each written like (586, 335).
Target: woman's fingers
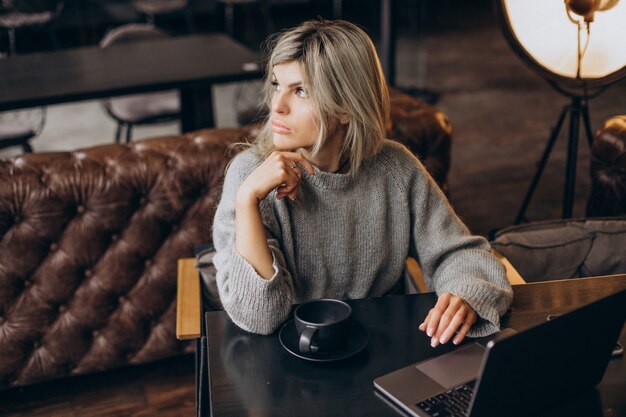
(450, 315)
(454, 324)
(467, 325)
(435, 314)
(290, 182)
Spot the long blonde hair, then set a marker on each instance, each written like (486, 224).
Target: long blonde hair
(344, 79)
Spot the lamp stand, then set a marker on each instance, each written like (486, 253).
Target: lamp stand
(576, 110)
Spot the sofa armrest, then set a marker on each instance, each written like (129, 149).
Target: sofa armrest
(188, 305)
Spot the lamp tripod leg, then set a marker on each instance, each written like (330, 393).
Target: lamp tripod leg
(587, 123)
(542, 164)
(572, 157)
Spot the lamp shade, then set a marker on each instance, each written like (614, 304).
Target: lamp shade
(545, 36)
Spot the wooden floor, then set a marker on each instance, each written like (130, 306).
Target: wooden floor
(164, 389)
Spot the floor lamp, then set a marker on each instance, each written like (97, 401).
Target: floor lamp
(578, 47)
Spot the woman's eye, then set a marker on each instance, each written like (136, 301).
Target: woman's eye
(275, 86)
(301, 92)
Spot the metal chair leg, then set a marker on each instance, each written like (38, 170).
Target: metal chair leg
(12, 48)
(129, 132)
(118, 132)
(191, 26)
(27, 148)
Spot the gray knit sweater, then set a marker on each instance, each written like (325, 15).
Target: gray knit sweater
(346, 237)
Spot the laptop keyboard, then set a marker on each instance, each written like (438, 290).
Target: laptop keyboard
(452, 403)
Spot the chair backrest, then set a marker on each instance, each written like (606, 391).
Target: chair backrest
(563, 249)
(34, 6)
(133, 32)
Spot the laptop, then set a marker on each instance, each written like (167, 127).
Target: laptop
(516, 373)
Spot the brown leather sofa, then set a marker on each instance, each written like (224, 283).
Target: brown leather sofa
(608, 170)
(89, 243)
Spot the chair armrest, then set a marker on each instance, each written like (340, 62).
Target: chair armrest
(415, 272)
(511, 273)
(188, 305)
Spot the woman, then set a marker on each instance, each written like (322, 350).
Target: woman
(323, 206)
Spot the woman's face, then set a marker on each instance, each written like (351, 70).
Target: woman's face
(293, 117)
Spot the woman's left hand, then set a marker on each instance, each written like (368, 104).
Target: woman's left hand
(451, 314)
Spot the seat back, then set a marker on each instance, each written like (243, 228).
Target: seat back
(133, 32)
(563, 249)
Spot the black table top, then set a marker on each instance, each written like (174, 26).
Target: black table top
(254, 375)
(90, 72)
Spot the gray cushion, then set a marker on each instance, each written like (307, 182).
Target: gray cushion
(561, 249)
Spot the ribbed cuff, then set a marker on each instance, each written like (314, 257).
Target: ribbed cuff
(253, 303)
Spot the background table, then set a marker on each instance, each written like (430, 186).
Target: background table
(254, 375)
(191, 64)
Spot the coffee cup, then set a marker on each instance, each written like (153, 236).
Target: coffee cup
(322, 325)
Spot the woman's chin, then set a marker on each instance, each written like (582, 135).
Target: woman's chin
(281, 142)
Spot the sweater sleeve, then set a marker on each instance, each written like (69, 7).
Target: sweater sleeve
(253, 303)
(452, 259)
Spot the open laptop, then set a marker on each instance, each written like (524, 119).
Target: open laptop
(517, 373)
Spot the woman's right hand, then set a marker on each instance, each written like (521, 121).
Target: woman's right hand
(281, 171)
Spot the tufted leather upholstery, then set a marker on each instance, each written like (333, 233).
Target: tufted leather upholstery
(411, 119)
(88, 250)
(608, 170)
(89, 242)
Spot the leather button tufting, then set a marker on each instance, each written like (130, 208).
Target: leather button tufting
(36, 345)
(88, 273)
(114, 238)
(62, 309)
(28, 283)
(53, 247)
(143, 200)
(95, 334)
(148, 263)
(121, 299)
(80, 209)
(17, 219)
(174, 227)
(2, 320)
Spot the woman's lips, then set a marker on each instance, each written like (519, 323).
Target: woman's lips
(278, 127)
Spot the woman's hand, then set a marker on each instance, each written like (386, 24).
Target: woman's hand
(280, 170)
(451, 314)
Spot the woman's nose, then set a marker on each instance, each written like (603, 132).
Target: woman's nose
(279, 104)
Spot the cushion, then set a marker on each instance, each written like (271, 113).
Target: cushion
(560, 249)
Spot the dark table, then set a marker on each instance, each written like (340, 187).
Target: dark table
(253, 375)
(191, 64)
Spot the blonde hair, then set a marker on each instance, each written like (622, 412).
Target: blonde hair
(344, 79)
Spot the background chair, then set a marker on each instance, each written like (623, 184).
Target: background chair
(563, 249)
(139, 109)
(20, 14)
(18, 127)
(608, 170)
(152, 9)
